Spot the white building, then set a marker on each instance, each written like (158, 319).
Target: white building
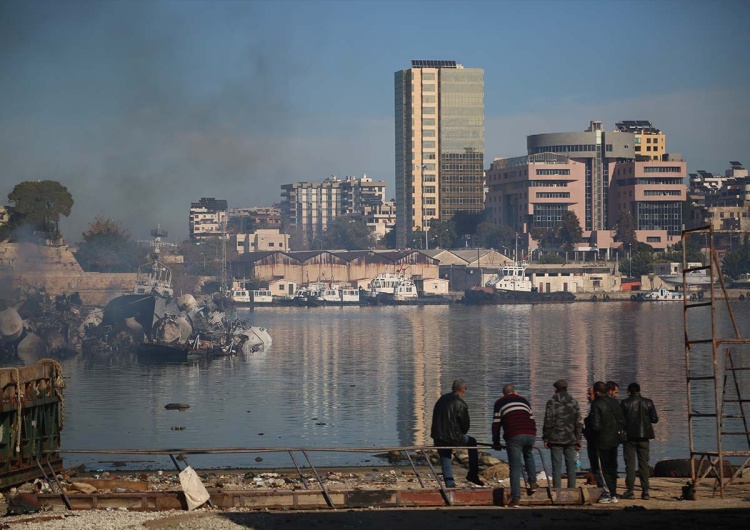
(208, 218)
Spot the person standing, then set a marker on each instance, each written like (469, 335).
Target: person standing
(562, 432)
(450, 425)
(606, 421)
(640, 416)
(590, 435)
(512, 415)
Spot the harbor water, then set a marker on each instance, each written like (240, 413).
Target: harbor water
(369, 377)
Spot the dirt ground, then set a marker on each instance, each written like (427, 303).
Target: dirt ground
(665, 509)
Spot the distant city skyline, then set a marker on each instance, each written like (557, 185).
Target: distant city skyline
(141, 107)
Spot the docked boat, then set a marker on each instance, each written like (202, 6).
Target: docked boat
(661, 295)
(388, 287)
(511, 278)
(489, 296)
(335, 295)
(261, 296)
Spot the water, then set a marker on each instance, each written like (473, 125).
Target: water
(369, 376)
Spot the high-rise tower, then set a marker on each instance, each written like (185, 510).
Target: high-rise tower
(439, 122)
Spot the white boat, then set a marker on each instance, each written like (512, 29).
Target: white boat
(336, 295)
(396, 286)
(239, 296)
(261, 296)
(511, 278)
(662, 295)
(155, 277)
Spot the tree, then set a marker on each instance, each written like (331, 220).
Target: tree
(547, 237)
(625, 230)
(442, 234)
(108, 247)
(638, 265)
(694, 251)
(466, 223)
(38, 205)
(348, 233)
(495, 236)
(737, 263)
(551, 258)
(570, 231)
(389, 241)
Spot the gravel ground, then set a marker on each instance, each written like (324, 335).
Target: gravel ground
(665, 509)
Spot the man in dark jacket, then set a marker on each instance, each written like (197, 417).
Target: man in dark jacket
(590, 436)
(450, 423)
(640, 415)
(606, 421)
(562, 430)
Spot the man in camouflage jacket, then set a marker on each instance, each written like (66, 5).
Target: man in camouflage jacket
(563, 427)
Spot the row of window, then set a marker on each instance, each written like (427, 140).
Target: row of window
(462, 200)
(547, 184)
(662, 169)
(575, 148)
(553, 195)
(662, 193)
(460, 189)
(461, 167)
(553, 172)
(644, 181)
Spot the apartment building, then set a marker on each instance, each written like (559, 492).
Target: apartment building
(308, 207)
(653, 192)
(246, 220)
(439, 128)
(579, 172)
(650, 142)
(722, 202)
(208, 218)
(260, 240)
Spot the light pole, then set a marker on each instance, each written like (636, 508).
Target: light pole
(630, 261)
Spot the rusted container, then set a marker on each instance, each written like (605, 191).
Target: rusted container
(32, 411)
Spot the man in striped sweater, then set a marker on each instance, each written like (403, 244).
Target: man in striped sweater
(513, 415)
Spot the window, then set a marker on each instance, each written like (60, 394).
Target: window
(428, 99)
(270, 244)
(428, 121)
(428, 133)
(428, 144)
(430, 87)
(428, 110)
(428, 76)
(653, 239)
(429, 189)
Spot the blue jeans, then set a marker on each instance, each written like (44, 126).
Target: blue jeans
(519, 451)
(446, 460)
(569, 452)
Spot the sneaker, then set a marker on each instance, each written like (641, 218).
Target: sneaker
(614, 499)
(628, 495)
(645, 496)
(450, 483)
(514, 503)
(534, 486)
(475, 479)
(605, 500)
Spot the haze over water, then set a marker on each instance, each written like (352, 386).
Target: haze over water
(369, 377)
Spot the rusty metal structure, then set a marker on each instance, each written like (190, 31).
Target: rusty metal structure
(717, 365)
(32, 411)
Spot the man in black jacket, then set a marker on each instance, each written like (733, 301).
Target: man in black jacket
(640, 415)
(450, 423)
(606, 421)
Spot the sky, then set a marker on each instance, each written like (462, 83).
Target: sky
(141, 107)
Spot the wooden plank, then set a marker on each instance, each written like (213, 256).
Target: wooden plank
(102, 484)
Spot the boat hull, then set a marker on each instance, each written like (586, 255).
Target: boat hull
(483, 297)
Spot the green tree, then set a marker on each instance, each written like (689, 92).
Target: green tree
(625, 230)
(551, 258)
(639, 264)
(38, 206)
(466, 223)
(389, 241)
(490, 235)
(108, 247)
(694, 251)
(547, 237)
(442, 234)
(348, 233)
(570, 231)
(737, 263)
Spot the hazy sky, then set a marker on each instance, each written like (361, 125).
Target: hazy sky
(141, 107)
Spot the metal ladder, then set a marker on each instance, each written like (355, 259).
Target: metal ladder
(700, 376)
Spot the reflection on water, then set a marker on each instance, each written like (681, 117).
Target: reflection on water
(365, 377)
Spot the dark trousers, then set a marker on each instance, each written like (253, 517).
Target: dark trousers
(608, 460)
(446, 457)
(594, 462)
(629, 451)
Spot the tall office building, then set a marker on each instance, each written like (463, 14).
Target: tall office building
(439, 118)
